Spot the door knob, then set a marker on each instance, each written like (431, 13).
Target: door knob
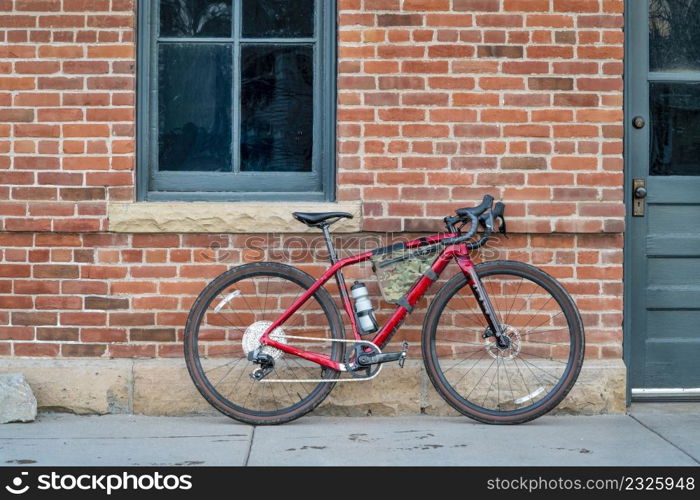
(639, 193)
(638, 122)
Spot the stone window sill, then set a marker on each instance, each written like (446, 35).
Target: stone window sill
(214, 217)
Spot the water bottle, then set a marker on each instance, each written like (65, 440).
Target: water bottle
(363, 309)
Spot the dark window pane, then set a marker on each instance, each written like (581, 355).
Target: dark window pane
(277, 105)
(674, 35)
(278, 18)
(675, 134)
(195, 18)
(194, 107)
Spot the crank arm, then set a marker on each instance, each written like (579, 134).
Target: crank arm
(387, 357)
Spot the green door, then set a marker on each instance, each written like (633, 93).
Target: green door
(662, 268)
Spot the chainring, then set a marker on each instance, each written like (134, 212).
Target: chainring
(351, 356)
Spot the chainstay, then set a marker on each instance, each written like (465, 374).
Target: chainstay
(324, 380)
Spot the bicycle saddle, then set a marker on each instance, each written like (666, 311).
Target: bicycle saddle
(314, 219)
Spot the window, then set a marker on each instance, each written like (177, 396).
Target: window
(236, 100)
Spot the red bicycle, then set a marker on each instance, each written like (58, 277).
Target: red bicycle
(502, 341)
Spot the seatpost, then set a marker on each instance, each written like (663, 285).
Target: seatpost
(329, 243)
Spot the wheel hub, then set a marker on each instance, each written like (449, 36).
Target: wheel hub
(252, 335)
(511, 346)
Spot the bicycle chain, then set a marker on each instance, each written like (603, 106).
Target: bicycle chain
(324, 380)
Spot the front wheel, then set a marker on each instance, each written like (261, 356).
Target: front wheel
(535, 368)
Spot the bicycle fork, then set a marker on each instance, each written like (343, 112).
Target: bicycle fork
(496, 329)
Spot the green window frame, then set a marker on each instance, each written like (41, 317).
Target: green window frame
(156, 184)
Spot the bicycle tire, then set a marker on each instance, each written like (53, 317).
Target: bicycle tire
(506, 412)
(240, 277)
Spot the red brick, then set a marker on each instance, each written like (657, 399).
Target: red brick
(103, 272)
(56, 271)
(57, 334)
(477, 5)
(156, 241)
(103, 335)
(33, 318)
(17, 83)
(132, 351)
(152, 335)
(83, 318)
(39, 349)
(577, 5)
(15, 270)
(58, 302)
(16, 115)
(83, 350)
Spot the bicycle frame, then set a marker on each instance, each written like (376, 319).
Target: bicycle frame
(459, 252)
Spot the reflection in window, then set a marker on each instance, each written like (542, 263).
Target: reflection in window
(675, 131)
(674, 35)
(194, 107)
(278, 18)
(195, 18)
(277, 105)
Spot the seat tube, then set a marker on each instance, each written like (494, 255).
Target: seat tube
(340, 280)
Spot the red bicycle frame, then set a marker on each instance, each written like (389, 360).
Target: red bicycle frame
(460, 252)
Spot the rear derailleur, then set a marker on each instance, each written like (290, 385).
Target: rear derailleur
(266, 362)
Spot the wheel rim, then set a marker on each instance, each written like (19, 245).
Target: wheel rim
(504, 381)
(229, 324)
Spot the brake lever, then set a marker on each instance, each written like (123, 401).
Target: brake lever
(486, 221)
(498, 212)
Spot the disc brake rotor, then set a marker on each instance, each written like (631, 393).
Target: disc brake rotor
(509, 352)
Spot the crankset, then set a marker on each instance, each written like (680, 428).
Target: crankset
(364, 362)
(364, 369)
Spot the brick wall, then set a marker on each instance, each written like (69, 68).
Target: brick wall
(440, 101)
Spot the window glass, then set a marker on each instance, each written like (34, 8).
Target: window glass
(674, 35)
(277, 102)
(675, 129)
(278, 18)
(194, 107)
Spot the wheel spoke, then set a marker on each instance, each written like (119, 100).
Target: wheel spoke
(544, 373)
(481, 378)
(465, 359)
(515, 296)
(543, 357)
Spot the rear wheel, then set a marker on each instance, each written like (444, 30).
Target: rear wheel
(225, 324)
(531, 372)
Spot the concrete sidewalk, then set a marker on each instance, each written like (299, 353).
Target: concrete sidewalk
(652, 434)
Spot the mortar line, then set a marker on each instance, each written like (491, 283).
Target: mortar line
(665, 439)
(250, 448)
